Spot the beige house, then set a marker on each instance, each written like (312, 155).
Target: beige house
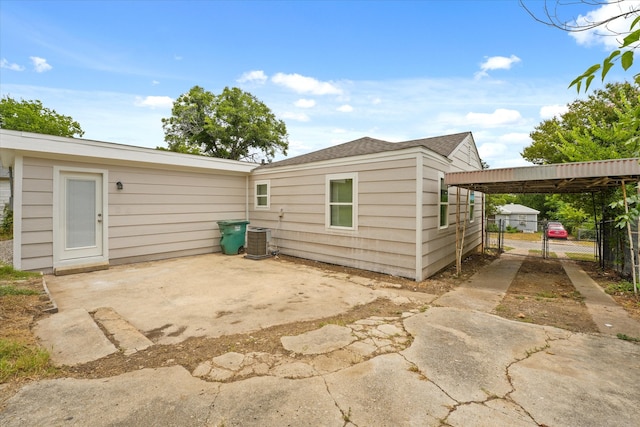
(81, 203)
(371, 204)
(368, 203)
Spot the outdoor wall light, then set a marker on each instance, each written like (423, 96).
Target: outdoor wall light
(119, 185)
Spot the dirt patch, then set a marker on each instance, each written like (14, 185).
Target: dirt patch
(543, 294)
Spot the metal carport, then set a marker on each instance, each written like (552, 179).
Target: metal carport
(578, 177)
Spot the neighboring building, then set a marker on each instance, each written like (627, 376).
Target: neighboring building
(368, 204)
(521, 217)
(5, 190)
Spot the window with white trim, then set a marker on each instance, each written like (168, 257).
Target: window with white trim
(342, 201)
(472, 205)
(443, 217)
(262, 200)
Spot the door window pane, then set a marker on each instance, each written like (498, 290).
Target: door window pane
(81, 213)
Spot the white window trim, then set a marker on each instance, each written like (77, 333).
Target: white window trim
(440, 203)
(255, 190)
(471, 216)
(354, 201)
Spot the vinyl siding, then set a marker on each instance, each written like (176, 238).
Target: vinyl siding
(438, 245)
(385, 238)
(159, 213)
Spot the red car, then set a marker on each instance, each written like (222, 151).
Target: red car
(555, 230)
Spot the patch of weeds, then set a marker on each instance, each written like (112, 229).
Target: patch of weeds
(14, 290)
(347, 417)
(536, 350)
(7, 273)
(339, 322)
(546, 294)
(414, 369)
(21, 360)
(424, 308)
(623, 286)
(501, 308)
(575, 295)
(520, 297)
(628, 338)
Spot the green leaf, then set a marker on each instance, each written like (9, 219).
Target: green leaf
(631, 38)
(589, 80)
(627, 59)
(606, 66)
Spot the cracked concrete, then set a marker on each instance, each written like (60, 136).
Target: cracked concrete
(443, 366)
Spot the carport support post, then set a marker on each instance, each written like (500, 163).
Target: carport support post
(630, 236)
(460, 231)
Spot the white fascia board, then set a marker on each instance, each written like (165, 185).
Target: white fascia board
(407, 153)
(38, 145)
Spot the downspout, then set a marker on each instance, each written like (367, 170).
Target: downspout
(419, 200)
(246, 198)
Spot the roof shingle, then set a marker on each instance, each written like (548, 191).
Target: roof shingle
(443, 145)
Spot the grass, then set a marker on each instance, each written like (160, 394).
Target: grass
(623, 286)
(628, 338)
(14, 290)
(8, 273)
(580, 256)
(546, 294)
(22, 360)
(19, 358)
(528, 237)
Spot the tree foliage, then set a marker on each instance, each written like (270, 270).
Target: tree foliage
(591, 129)
(233, 125)
(32, 116)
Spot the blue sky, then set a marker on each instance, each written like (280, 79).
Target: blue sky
(333, 71)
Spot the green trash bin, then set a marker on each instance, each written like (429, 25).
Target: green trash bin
(232, 234)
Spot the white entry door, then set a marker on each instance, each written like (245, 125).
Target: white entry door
(81, 218)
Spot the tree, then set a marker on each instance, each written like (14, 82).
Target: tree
(233, 125)
(32, 116)
(589, 130)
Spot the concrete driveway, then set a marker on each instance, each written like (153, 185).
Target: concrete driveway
(446, 365)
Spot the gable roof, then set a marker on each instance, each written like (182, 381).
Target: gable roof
(443, 145)
(514, 208)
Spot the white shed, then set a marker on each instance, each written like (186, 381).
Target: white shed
(519, 216)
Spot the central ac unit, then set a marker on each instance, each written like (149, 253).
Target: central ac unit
(258, 239)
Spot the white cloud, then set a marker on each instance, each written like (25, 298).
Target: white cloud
(550, 111)
(155, 82)
(154, 102)
(40, 65)
(611, 34)
(515, 139)
(299, 117)
(496, 63)
(305, 103)
(345, 108)
(376, 101)
(499, 117)
(491, 150)
(256, 76)
(13, 67)
(302, 84)
(177, 57)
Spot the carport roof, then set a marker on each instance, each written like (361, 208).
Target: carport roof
(580, 177)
